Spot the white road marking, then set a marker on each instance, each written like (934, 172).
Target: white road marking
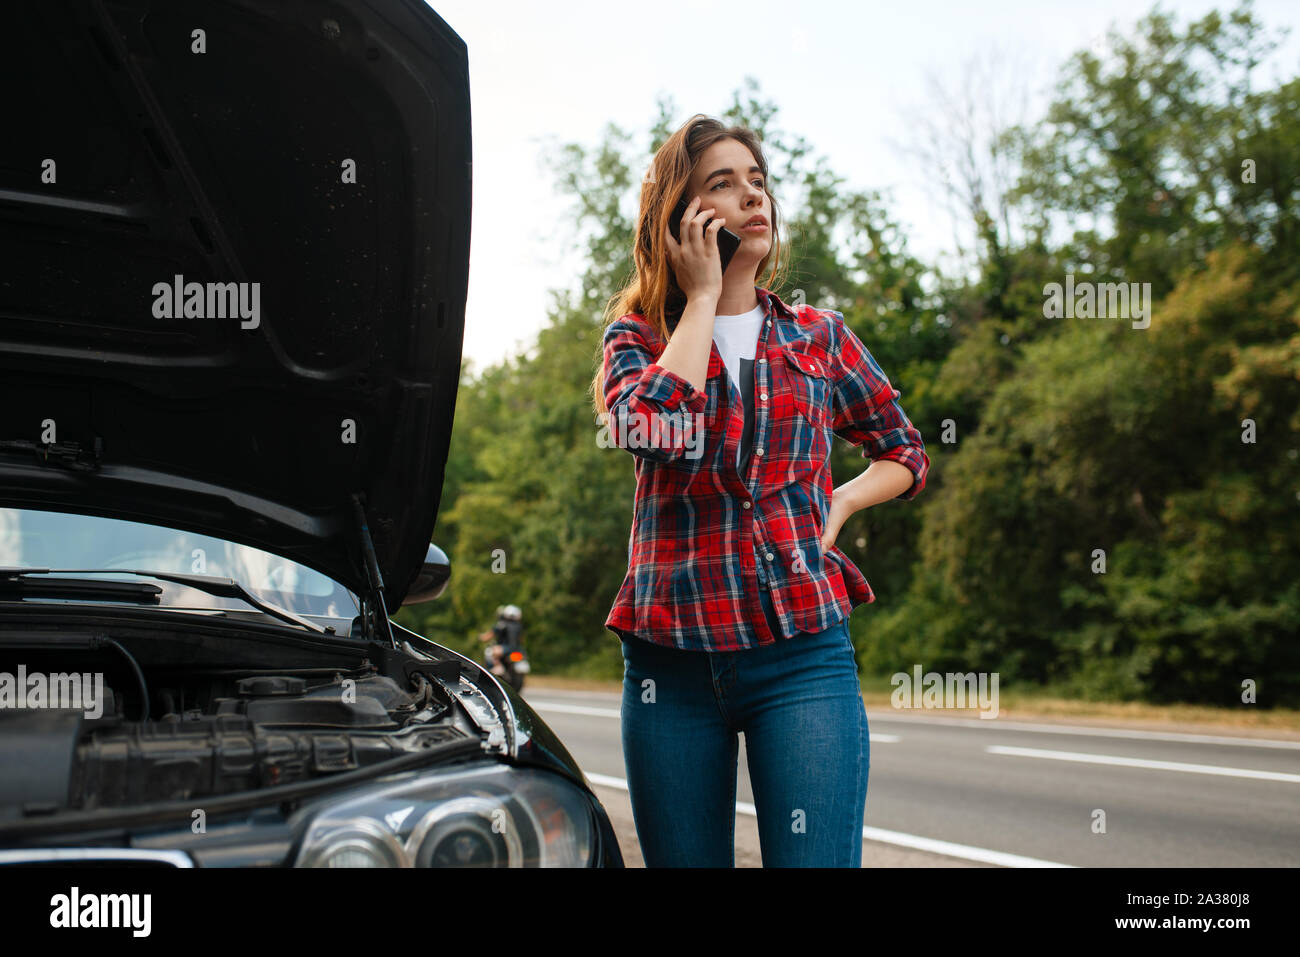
(1143, 763)
(996, 724)
(898, 838)
(949, 849)
(605, 780)
(574, 709)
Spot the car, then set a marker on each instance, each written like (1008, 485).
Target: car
(235, 247)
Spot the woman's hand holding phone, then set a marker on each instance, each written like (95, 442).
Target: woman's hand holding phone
(695, 260)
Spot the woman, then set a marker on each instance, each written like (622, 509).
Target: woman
(734, 612)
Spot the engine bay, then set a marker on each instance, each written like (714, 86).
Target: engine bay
(165, 731)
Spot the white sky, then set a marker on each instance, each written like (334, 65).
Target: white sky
(848, 75)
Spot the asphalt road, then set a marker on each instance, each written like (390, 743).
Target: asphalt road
(970, 792)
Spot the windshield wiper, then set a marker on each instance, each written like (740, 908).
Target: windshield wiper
(218, 587)
(15, 583)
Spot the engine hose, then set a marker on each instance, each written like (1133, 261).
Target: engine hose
(139, 675)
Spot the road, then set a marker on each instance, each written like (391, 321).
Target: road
(971, 792)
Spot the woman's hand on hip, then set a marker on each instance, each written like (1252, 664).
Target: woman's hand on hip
(835, 519)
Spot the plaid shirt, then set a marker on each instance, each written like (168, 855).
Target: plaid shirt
(703, 537)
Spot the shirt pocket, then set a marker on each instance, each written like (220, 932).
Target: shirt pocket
(807, 379)
(810, 383)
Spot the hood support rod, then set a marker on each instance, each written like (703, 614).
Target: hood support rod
(375, 614)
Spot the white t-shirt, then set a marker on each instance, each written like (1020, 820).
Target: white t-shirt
(736, 337)
(737, 340)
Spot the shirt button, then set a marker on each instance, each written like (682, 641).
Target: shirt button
(761, 361)
(769, 556)
(763, 396)
(758, 451)
(745, 504)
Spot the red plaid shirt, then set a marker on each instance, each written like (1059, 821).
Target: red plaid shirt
(704, 538)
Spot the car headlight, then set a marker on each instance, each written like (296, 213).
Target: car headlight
(484, 816)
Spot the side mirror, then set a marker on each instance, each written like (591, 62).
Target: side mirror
(432, 579)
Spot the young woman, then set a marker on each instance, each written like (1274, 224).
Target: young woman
(734, 612)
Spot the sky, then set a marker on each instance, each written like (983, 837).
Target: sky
(850, 76)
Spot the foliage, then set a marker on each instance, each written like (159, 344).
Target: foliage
(1097, 517)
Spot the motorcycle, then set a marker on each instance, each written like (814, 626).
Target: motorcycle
(513, 666)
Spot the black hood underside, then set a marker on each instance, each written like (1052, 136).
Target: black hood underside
(318, 154)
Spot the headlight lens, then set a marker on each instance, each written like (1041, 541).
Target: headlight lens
(359, 843)
(485, 816)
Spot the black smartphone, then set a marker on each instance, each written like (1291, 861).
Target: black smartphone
(728, 242)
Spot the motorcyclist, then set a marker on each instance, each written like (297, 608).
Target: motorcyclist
(506, 634)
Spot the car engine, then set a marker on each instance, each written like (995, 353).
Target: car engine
(211, 733)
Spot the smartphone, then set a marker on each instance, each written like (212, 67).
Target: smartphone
(728, 242)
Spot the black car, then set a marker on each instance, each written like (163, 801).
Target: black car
(234, 248)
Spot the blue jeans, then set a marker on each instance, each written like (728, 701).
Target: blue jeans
(799, 705)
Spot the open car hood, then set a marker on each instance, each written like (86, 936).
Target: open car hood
(132, 157)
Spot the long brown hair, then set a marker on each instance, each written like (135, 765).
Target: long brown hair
(653, 291)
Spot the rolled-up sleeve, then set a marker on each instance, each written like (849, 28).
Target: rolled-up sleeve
(653, 412)
(867, 412)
